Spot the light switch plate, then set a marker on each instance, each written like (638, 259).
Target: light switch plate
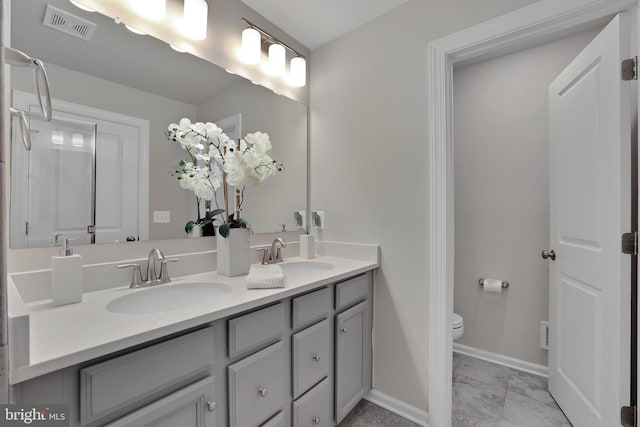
(161, 217)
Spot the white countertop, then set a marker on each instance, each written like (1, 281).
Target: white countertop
(64, 336)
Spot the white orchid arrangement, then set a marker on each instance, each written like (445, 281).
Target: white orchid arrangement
(215, 162)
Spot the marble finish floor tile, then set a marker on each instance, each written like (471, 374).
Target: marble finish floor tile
(477, 396)
(483, 371)
(370, 415)
(526, 401)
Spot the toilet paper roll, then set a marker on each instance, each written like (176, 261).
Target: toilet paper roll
(492, 286)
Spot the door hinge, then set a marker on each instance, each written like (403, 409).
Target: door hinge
(630, 243)
(91, 229)
(26, 228)
(630, 69)
(628, 416)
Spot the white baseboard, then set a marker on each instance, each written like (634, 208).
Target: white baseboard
(398, 407)
(511, 362)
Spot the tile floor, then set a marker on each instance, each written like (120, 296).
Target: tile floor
(490, 395)
(484, 395)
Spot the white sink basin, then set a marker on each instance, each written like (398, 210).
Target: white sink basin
(167, 297)
(302, 267)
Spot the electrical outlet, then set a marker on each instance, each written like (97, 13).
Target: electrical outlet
(544, 335)
(161, 217)
(317, 220)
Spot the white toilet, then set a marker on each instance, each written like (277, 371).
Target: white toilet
(458, 326)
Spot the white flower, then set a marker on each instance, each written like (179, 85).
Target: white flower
(260, 142)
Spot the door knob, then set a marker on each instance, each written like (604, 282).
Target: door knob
(549, 255)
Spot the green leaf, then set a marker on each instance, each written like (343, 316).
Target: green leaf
(223, 230)
(188, 226)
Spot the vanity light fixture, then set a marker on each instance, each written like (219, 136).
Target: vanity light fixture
(151, 9)
(196, 15)
(57, 137)
(298, 72)
(77, 140)
(251, 46)
(252, 40)
(277, 60)
(177, 49)
(81, 6)
(134, 30)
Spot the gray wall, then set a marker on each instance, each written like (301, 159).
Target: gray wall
(274, 201)
(502, 195)
(368, 167)
(164, 192)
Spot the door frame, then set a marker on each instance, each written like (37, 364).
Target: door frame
(537, 23)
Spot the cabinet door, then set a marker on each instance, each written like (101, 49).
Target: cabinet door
(192, 406)
(257, 387)
(351, 345)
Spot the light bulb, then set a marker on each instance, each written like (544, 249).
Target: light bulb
(277, 60)
(298, 72)
(196, 14)
(134, 30)
(81, 6)
(57, 137)
(151, 9)
(251, 49)
(77, 140)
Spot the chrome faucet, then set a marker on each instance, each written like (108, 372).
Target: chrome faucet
(276, 252)
(154, 255)
(152, 277)
(273, 255)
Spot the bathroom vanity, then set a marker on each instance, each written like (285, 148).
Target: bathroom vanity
(296, 356)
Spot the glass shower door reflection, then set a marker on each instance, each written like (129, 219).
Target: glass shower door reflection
(60, 181)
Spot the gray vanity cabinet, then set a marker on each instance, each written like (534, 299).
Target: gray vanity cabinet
(302, 361)
(192, 406)
(256, 387)
(351, 337)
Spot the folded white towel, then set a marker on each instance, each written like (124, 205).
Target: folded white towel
(265, 277)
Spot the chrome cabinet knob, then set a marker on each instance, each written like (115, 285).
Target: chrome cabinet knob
(316, 357)
(211, 406)
(262, 391)
(549, 255)
(316, 420)
(343, 330)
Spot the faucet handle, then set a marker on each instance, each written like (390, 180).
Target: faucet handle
(136, 279)
(164, 271)
(265, 255)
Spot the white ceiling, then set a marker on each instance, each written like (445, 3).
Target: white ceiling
(314, 23)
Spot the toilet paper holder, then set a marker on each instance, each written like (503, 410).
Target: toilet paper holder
(504, 283)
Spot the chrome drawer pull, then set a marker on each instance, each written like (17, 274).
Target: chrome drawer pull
(316, 357)
(262, 391)
(211, 405)
(316, 420)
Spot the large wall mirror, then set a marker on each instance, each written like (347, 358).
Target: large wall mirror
(105, 160)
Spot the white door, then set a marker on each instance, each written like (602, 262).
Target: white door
(589, 126)
(116, 182)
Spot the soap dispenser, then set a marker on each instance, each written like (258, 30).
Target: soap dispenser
(307, 245)
(66, 276)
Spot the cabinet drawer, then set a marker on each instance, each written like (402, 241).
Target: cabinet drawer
(192, 406)
(256, 329)
(314, 408)
(311, 355)
(311, 307)
(352, 291)
(140, 377)
(256, 387)
(277, 421)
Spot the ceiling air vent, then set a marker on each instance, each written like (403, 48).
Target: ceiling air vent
(68, 23)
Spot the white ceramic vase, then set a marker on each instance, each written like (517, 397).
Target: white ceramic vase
(196, 231)
(233, 252)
